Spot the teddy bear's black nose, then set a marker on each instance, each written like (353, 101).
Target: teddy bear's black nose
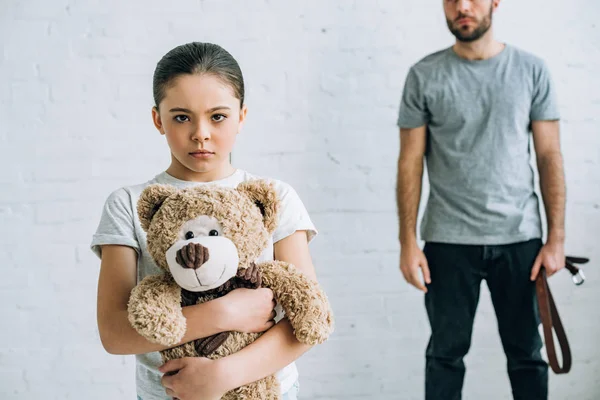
(192, 255)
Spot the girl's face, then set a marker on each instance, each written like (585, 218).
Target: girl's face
(200, 117)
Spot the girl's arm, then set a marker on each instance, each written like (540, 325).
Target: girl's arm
(278, 347)
(202, 378)
(117, 279)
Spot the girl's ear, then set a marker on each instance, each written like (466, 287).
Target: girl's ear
(157, 120)
(243, 113)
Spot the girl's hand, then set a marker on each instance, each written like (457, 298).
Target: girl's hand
(195, 378)
(248, 310)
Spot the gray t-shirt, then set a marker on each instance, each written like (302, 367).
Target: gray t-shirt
(119, 225)
(478, 116)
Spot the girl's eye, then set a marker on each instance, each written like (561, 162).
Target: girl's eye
(181, 118)
(189, 235)
(214, 232)
(218, 117)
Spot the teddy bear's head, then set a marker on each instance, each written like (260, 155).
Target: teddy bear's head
(203, 234)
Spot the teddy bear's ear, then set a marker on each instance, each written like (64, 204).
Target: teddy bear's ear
(264, 196)
(150, 201)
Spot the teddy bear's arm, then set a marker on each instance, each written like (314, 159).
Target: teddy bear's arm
(155, 310)
(305, 304)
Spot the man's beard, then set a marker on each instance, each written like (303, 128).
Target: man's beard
(477, 33)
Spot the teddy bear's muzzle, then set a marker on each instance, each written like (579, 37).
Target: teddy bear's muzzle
(192, 268)
(192, 255)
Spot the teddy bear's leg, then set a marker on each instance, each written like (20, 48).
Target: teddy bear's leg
(249, 278)
(185, 350)
(264, 389)
(272, 389)
(305, 304)
(207, 346)
(155, 310)
(234, 343)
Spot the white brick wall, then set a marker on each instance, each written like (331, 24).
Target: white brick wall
(324, 80)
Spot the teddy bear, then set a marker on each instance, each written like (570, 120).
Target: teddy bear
(206, 240)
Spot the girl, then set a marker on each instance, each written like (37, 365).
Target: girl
(199, 108)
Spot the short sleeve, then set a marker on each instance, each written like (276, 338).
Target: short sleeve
(544, 104)
(116, 223)
(293, 216)
(413, 109)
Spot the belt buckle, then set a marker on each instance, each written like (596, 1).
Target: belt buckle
(578, 278)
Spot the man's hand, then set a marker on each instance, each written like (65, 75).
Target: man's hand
(195, 378)
(411, 259)
(551, 257)
(248, 310)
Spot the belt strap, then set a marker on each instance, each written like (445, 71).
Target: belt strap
(551, 319)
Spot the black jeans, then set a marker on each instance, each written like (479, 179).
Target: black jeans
(451, 302)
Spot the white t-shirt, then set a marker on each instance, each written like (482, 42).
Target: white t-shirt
(119, 225)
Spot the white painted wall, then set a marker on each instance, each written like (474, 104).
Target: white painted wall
(324, 80)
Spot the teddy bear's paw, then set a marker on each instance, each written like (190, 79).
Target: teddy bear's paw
(314, 329)
(250, 277)
(166, 336)
(311, 335)
(164, 329)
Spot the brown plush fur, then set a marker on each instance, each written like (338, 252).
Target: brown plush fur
(155, 310)
(248, 215)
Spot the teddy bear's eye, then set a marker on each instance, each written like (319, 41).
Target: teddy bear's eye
(213, 232)
(189, 235)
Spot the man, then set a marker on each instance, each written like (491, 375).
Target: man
(469, 111)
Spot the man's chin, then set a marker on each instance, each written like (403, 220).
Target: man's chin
(468, 35)
(466, 39)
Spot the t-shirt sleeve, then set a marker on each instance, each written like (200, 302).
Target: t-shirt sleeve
(544, 104)
(116, 223)
(413, 108)
(293, 216)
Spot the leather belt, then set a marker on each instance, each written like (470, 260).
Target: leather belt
(551, 319)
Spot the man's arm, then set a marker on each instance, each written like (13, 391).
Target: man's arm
(408, 195)
(546, 139)
(552, 178)
(409, 179)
